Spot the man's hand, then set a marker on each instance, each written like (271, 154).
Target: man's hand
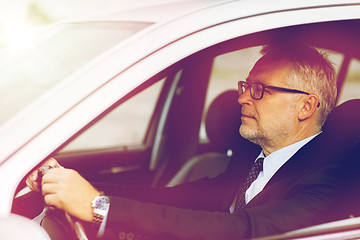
(33, 181)
(66, 189)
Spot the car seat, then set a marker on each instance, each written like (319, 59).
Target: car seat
(222, 127)
(343, 125)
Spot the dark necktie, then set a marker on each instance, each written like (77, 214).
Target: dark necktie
(253, 174)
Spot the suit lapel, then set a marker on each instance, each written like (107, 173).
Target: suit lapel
(302, 162)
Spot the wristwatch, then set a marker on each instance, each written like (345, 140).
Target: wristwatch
(100, 206)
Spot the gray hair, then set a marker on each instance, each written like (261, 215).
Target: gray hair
(310, 71)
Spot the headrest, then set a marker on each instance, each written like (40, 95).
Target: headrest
(223, 120)
(343, 124)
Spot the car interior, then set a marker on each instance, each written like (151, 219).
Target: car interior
(172, 137)
(172, 151)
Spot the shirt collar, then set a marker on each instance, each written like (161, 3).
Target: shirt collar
(275, 160)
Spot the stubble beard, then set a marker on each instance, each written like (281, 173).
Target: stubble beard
(267, 135)
(253, 135)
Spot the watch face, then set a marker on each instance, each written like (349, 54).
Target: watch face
(101, 203)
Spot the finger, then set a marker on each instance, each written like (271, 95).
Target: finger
(33, 177)
(52, 200)
(34, 186)
(53, 163)
(54, 175)
(32, 181)
(49, 188)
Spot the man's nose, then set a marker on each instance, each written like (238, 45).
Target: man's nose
(245, 98)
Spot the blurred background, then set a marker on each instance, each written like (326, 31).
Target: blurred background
(21, 18)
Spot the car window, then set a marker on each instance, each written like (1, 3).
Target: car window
(229, 68)
(351, 88)
(126, 125)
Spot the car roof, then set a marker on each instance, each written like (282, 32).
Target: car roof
(165, 12)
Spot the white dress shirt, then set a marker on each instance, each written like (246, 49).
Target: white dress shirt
(272, 164)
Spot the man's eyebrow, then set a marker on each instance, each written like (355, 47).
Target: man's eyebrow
(250, 80)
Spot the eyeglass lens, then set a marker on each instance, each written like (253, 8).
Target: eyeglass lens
(256, 89)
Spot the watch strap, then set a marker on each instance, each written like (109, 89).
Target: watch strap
(97, 219)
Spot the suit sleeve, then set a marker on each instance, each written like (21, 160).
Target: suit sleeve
(166, 222)
(189, 211)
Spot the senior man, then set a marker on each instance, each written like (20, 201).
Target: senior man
(285, 101)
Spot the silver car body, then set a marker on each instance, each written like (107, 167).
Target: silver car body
(170, 33)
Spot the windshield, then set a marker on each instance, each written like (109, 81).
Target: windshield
(26, 73)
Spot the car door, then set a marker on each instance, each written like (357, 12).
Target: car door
(206, 44)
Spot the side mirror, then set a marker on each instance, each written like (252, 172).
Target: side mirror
(17, 227)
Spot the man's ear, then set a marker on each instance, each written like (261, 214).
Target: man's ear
(309, 104)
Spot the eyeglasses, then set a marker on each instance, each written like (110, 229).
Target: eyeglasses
(257, 89)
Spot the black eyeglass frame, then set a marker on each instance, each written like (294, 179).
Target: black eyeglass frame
(245, 85)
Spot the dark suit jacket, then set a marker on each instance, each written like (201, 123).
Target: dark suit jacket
(312, 187)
